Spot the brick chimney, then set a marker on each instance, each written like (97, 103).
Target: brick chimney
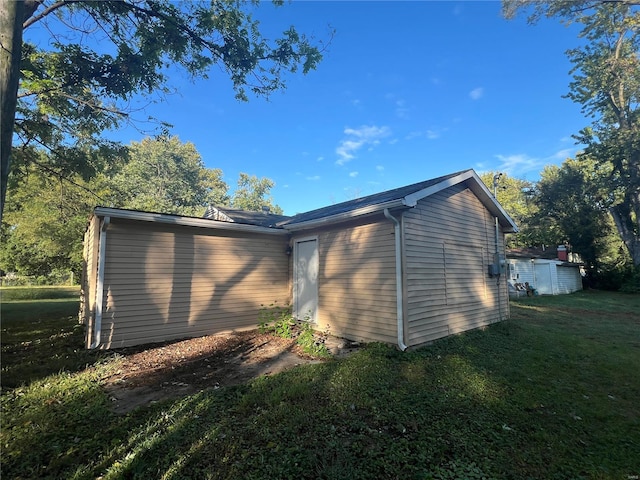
(562, 253)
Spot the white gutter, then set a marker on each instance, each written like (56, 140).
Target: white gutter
(97, 322)
(399, 291)
(184, 221)
(359, 212)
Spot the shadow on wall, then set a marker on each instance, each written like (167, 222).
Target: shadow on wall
(170, 283)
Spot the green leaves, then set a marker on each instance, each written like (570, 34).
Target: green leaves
(606, 83)
(167, 176)
(103, 54)
(253, 193)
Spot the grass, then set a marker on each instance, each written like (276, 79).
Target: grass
(41, 337)
(551, 393)
(10, 294)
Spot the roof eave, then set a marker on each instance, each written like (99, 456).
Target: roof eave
(344, 216)
(477, 186)
(184, 221)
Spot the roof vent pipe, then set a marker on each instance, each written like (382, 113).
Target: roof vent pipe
(399, 296)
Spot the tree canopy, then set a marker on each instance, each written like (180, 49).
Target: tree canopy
(253, 193)
(65, 94)
(572, 201)
(46, 216)
(606, 83)
(167, 176)
(515, 195)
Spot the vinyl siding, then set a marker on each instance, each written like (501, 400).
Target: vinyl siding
(569, 278)
(168, 282)
(521, 271)
(449, 241)
(356, 284)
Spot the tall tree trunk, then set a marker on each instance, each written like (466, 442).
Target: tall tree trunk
(622, 217)
(11, 16)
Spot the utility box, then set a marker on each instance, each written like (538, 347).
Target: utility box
(499, 265)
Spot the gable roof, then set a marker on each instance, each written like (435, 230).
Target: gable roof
(398, 198)
(406, 197)
(263, 219)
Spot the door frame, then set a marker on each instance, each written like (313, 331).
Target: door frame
(296, 254)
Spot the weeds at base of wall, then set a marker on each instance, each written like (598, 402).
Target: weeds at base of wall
(279, 321)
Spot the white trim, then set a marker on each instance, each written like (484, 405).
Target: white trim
(412, 199)
(184, 221)
(358, 212)
(102, 254)
(487, 198)
(399, 291)
(477, 187)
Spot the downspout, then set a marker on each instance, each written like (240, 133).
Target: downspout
(498, 281)
(496, 179)
(399, 294)
(97, 323)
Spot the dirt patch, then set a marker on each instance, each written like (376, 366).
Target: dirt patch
(152, 373)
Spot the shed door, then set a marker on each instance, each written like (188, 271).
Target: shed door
(305, 279)
(543, 282)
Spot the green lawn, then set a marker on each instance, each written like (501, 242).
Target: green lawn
(552, 393)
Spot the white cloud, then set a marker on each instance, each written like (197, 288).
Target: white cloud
(476, 93)
(432, 134)
(319, 159)
(356, 138)
(517, 164)
(521, 163)
(429, 134)
(379, 168)
(353, 174)
(313, 178)
(562, 155)
(402, 111)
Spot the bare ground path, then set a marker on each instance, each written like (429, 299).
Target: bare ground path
(152, 373)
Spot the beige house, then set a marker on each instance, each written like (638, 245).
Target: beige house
(405, 267)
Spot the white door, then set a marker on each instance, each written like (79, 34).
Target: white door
(305, 279)
(543, 279)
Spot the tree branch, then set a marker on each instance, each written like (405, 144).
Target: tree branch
(61, 177)
(31, 20)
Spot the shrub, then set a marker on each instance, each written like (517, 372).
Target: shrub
(279, 321)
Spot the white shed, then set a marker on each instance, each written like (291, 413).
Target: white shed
(547, 276)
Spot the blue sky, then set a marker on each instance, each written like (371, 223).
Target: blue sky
(406, 91)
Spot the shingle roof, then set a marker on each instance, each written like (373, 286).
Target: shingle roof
(262, 219)
(370, 200)
(402, 197)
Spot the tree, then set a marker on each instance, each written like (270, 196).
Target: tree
(253, 193)
(573, 202)
(167, 176)
(606, 82)
(515, 196)
(46, 216)
(45, 219)
(110, 51)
